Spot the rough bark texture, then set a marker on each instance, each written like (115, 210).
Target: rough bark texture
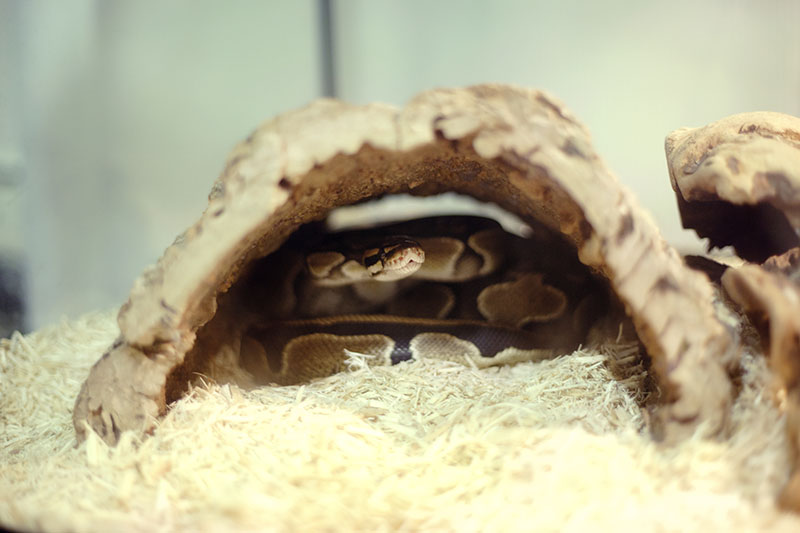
(738, 182)
(770, 296)
(518, 148)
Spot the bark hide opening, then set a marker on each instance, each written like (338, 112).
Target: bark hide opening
(518, 148)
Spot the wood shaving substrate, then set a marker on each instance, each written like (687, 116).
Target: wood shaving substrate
(560, 445)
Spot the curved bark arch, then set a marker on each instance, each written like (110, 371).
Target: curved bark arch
(514, 147)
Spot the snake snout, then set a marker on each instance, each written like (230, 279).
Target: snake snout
(402, 263)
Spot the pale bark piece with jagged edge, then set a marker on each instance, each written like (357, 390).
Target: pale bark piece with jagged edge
(770, 296)
(737, 181)
(518, 148)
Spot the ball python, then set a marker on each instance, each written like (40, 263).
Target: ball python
(449, 287)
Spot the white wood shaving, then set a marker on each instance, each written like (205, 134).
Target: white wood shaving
(559, 445)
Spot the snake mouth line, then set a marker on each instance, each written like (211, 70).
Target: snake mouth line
(406, 269)
(399, 271)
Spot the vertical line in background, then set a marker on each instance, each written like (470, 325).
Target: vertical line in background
(13, 249)
(326, 48)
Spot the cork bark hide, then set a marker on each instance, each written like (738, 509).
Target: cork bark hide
(770, 296)
(737, 181)
(520, 149)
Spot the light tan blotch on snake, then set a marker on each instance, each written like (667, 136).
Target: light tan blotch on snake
(457, 288)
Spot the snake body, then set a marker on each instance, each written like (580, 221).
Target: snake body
(455, 287)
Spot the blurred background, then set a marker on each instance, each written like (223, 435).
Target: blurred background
(116, 116)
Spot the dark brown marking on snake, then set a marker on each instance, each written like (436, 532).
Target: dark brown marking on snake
(372, 257)
(490, 339)
(391, 247)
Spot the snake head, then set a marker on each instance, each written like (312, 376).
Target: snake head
(396, 258)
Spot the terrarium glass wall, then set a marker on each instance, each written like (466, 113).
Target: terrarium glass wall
(116, 117)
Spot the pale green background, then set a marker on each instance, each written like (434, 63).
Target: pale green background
(115, 117)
